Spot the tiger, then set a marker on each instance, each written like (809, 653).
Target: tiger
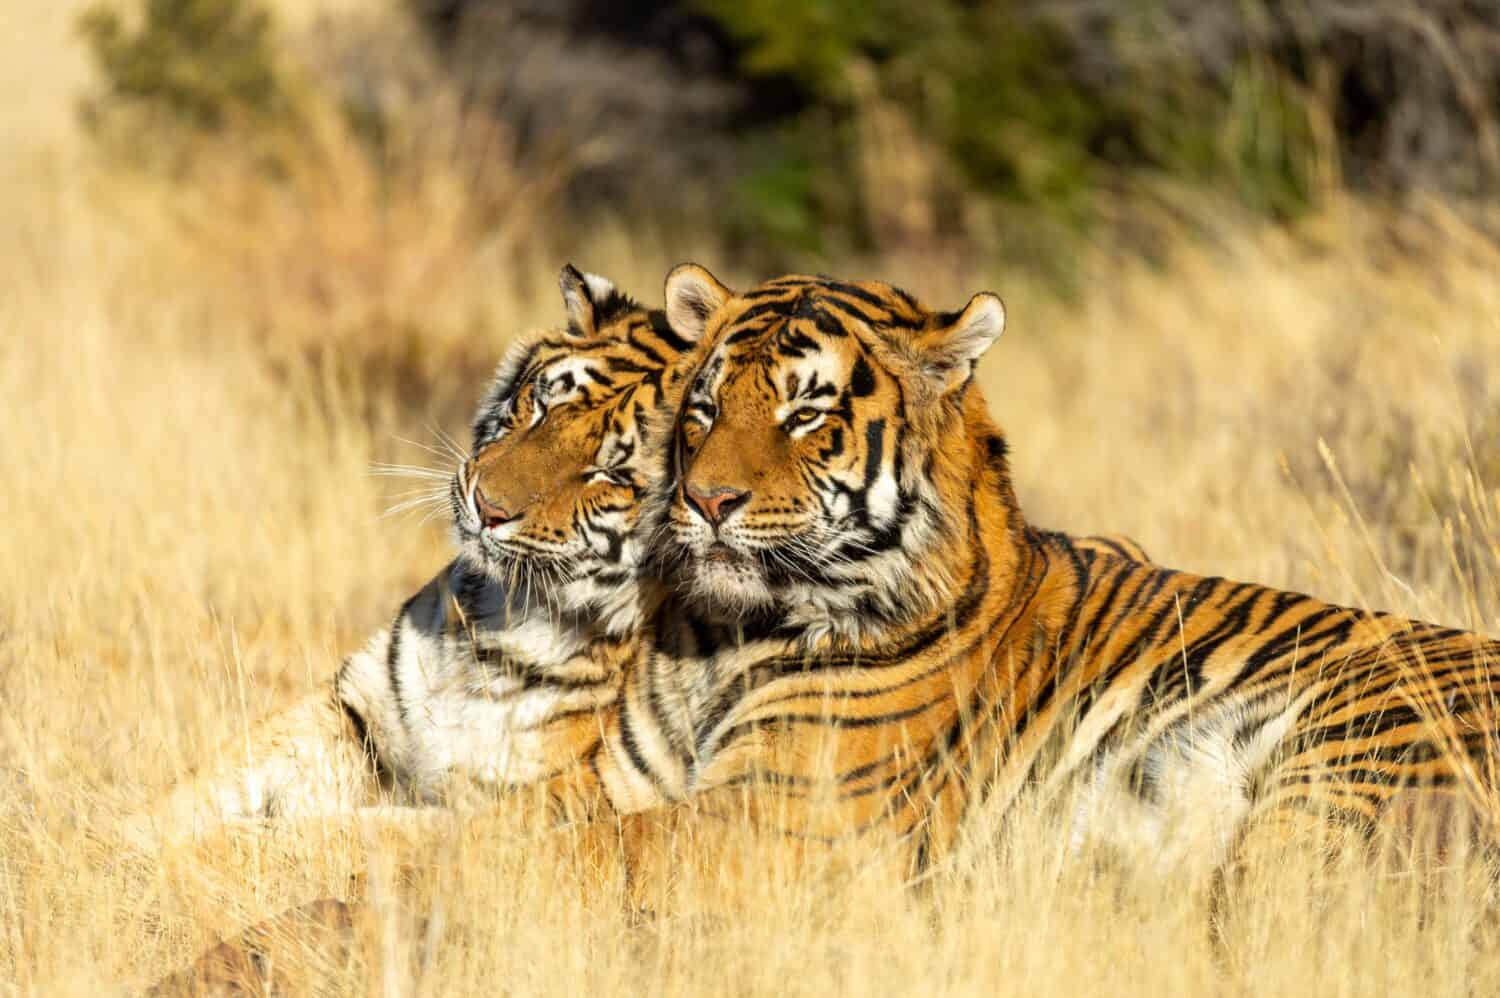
(906, 657)
(493, 671)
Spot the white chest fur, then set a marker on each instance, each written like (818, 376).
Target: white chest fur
(435, 706)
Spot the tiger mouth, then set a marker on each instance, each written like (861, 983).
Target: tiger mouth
(728, 581)
(725, 563)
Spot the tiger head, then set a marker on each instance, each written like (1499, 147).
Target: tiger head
(548, 502)
(813, 466)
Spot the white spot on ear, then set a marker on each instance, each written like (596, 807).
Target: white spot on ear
(600, 288)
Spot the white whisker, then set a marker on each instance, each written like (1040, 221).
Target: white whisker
(443, 452)
(448, 442)
(409, 471)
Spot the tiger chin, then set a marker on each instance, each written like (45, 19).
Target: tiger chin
(492, 672)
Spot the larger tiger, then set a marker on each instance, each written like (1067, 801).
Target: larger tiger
(917, 654)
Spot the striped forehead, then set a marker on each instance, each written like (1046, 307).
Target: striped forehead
(573, 376)
(595, 379)
(591, 372)
(808, 373)
(794, 359)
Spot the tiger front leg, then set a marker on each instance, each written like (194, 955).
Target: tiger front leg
(309, 760)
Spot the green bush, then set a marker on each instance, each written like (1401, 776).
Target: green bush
(996, 93)
(197, 62)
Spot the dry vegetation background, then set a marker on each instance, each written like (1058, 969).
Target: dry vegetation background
(197, 379)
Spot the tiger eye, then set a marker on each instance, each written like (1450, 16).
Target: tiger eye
(693, 433)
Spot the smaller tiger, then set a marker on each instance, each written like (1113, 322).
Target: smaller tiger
(494, 671)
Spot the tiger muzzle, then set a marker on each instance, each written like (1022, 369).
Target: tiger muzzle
(491, 513)
(715, 503)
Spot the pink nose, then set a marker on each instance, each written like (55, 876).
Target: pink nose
(490, 514)
(715, 503)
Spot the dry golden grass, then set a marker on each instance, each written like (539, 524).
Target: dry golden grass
(192, 539)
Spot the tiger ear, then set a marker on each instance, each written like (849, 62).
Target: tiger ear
(583, 297)
(693, 294)
(948, 353)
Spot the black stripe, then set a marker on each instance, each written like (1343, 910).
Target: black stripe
(874, 453)
(366, 743)
(632, 748)
(1294, 636)
(664, 331)
(393, 662)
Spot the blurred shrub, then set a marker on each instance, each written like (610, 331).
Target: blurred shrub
(642, 98)
(915, 108)
(338, 192)
(1017, 104)
(200, 62)
(1399, 94)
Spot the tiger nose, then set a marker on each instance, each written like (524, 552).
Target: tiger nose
(715, 503)
(491, 514)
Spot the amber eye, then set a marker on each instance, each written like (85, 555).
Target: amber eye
(530, 405)
(802, 417)
(692, 434)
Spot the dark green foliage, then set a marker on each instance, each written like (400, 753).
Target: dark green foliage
(1013, 106)
(815, 41)
(199, 62)
(777, 197)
